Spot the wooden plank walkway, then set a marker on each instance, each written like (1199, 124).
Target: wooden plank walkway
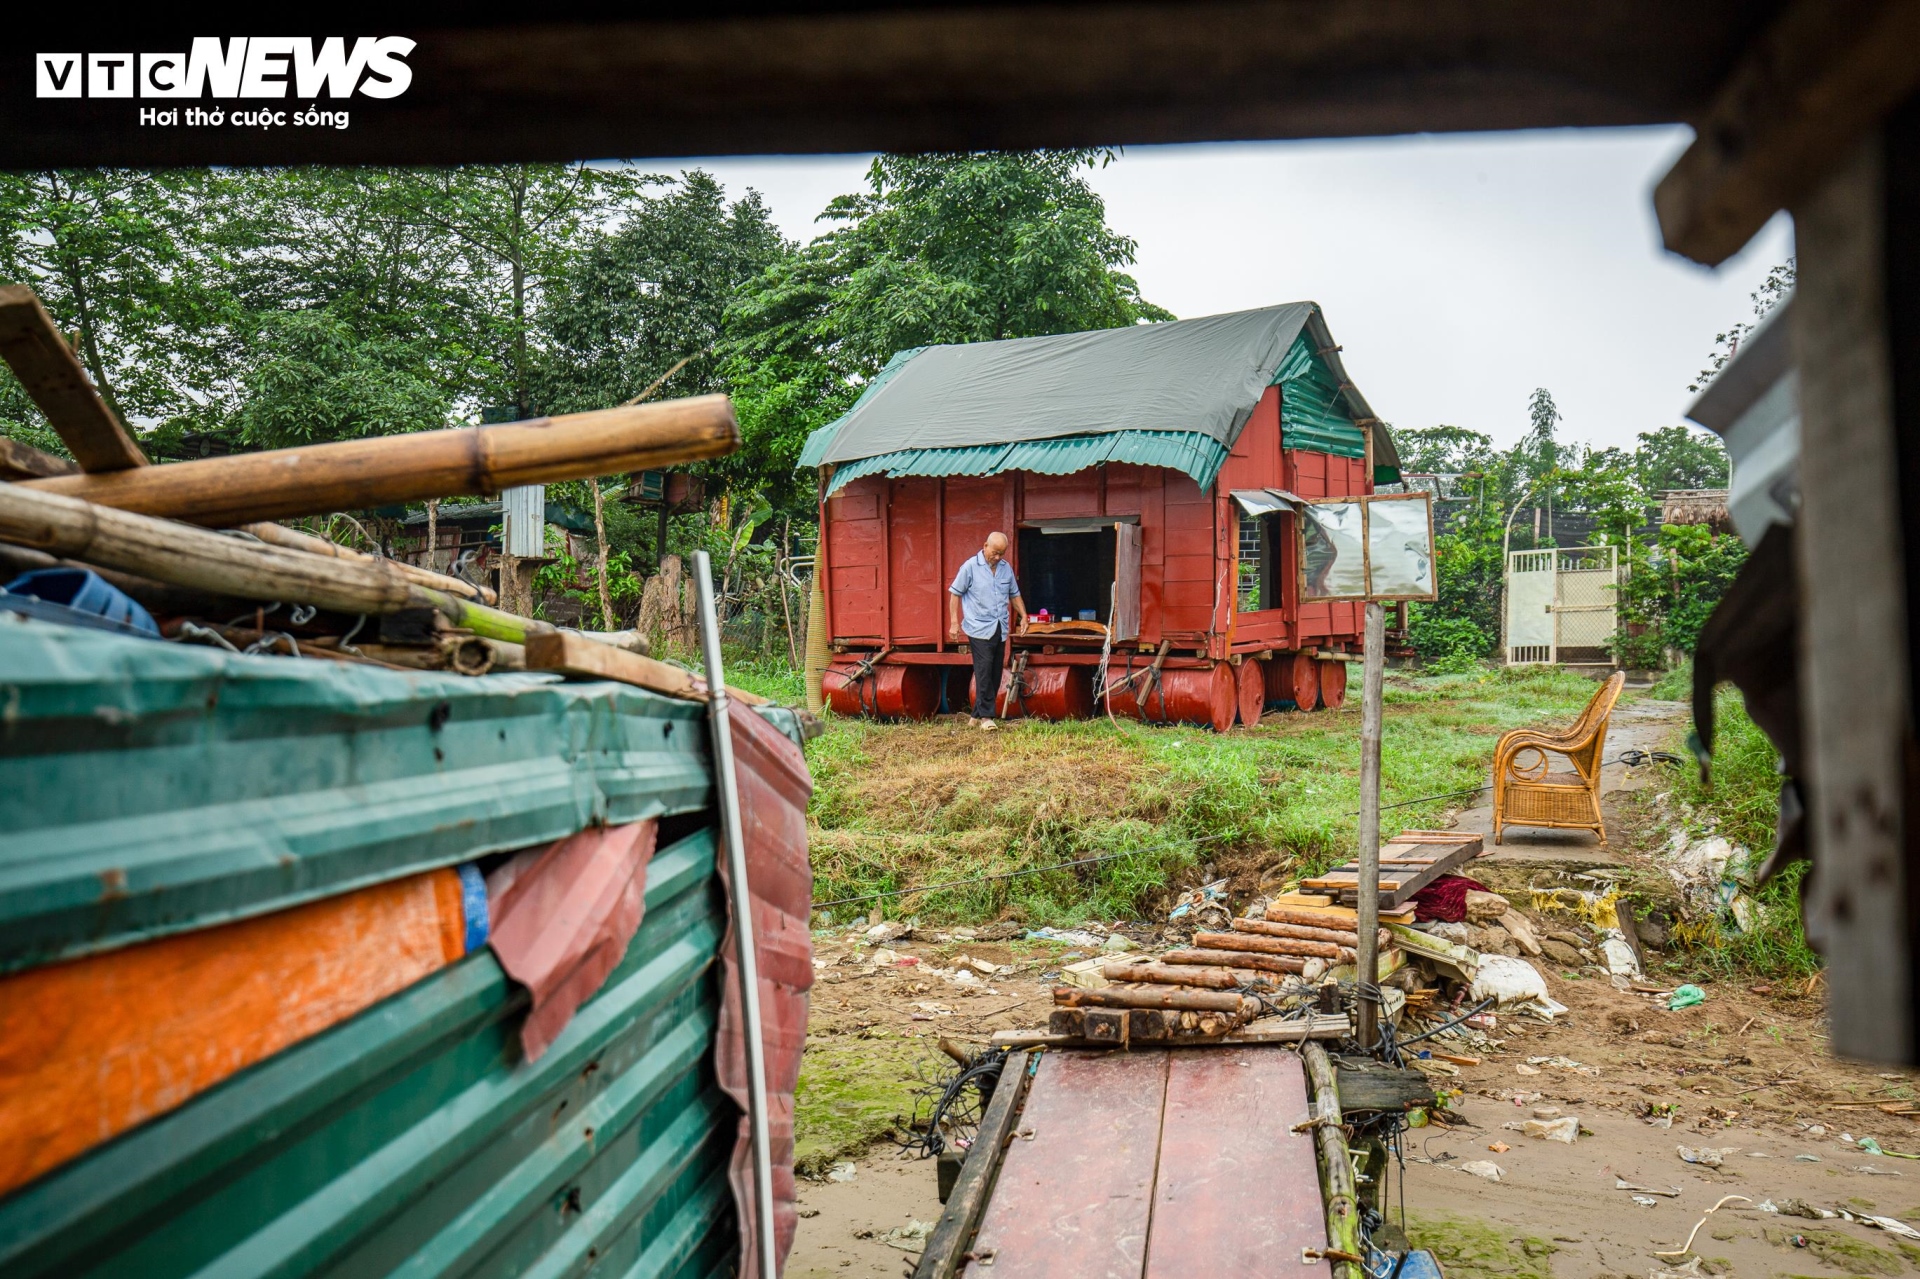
(1157, 1165)
(1075, 1197)
(1238, 1192)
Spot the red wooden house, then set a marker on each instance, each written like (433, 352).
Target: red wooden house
(1112, 460)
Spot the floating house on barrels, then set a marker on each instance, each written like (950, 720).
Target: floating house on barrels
(1131, 469)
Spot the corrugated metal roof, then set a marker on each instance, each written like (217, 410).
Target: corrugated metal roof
(1187, 451)
(149, 788)
(1026, 394)
(413, 1140)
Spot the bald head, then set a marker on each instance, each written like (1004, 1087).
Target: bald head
(996, 548)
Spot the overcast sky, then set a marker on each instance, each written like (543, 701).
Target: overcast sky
(1459, 273)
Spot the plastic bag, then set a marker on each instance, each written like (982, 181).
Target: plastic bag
(1515, 985)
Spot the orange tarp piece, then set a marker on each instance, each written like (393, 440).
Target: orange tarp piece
(95, 1046)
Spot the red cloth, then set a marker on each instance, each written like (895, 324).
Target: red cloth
(1445, 899)
(561, 917)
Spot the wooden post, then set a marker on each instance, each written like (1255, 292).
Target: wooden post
(600, 554)
(1337, 1186)
(1373, 682)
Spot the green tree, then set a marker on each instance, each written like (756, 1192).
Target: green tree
(653, 291)
(1773, 290)
(109, 253)
(316, 379)
(1675, 457)
(518, 228)
(1443, 450)
(940, 248)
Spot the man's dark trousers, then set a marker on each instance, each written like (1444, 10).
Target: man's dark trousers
(986, 672)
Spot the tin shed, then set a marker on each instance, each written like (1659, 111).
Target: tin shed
(1112, 460)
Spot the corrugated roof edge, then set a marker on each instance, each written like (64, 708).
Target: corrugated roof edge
(1386, 456)
(815, 450)
(1190, 452)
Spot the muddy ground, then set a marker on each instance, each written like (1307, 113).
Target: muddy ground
(1746, 1075)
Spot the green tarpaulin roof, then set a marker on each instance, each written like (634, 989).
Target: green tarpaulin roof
(1175, 394)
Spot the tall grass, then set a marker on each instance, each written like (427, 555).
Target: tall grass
(907, 805)
(1741, 801)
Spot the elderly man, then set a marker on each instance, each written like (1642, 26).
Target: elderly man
(977, 604)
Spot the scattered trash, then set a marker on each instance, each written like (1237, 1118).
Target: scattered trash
(1765, 1205)
(1705, 1156)
(1878, 1172)
(1686, 997)
(1687, 1247)
(986, 968)
(1515, 986)
(1892, 1225)
(1618, 955)
(1546, 1112)
(883, 958)
(1206, 904)
(1499, 1147)
(1806, 1159)
(1453, 932)
(1689, 1271)
(1801, 1208)
(1599, 909)
(1088, 974)
(911, 1237)
(1524, 1069)
(1816, 1130)
(1645, 1202)
(1067, 936)
(1871, 1146)
(1565, 1063)
(1561, 1130)
(965, 977)
(1620, 1183)
(1758, 1154)
(891, 930)
(1117, 943)
(1483, 1168)
(842, 1172)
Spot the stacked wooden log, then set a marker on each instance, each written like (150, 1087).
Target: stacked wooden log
(151, 530)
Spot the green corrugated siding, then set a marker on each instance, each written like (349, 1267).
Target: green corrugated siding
(148, 788)
(1313, 413)
(1195, 454)
(412, 1141)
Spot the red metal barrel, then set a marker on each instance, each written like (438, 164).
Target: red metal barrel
(1333, 685)
(1250, 689)
(1204, 695)
(1046, 692)
(886, 692)
(1293, 680)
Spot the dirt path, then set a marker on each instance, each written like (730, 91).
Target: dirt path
(1746, 1074)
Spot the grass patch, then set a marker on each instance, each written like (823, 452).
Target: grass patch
(851, 1093)
(1470, 1249)
(1741, 802)
(904, 805)
(1844, 1252)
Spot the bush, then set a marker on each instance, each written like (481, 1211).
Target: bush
(1448, 645)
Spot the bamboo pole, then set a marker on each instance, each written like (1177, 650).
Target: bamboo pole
(1337, 1186)
(1367, 969)
(385, 470)
(600, 554)
(182, 555)
(294, 540)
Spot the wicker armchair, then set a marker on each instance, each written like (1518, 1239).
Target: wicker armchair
(1526, 792)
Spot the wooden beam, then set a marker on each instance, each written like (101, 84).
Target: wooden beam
(182, 555)
(570, 653)
(33, 347)
(24, 462)
(941, 1258)
(293, 539)
(220, 492)
(1800, 99)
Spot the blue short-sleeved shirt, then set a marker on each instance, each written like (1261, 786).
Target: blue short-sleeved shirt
(984, 595)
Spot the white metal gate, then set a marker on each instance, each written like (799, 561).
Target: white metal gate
(1560, 599)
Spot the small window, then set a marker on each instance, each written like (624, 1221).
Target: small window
(1259, 561)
